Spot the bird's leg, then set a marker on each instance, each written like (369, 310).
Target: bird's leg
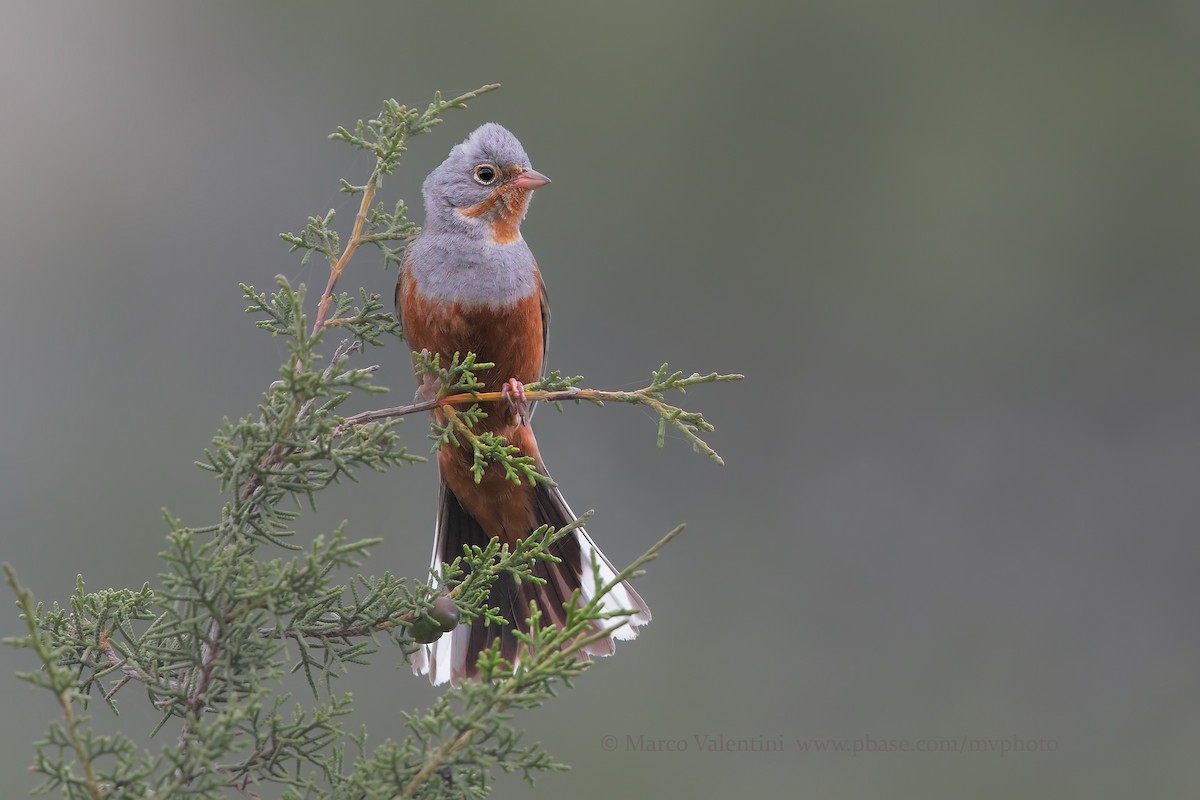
(518, 407)
(430, 386)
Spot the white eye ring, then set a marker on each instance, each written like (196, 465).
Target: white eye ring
(485, 174)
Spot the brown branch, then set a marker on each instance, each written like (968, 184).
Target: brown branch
(208, 661)
(592, 395)
(440, 755)
(197, 689)
(116, 662)
(89, 772)
(339, 633)
(387, 624)
(56, 682)
(512, 686)
(198, 693)
(686, 422)
(356, 238)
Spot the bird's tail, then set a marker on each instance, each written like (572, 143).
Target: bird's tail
(454, 655)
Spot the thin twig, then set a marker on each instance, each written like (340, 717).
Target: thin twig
(506, 560)
(356, 238)
(56, 682)
(534, 395)
(338, 633)
(438, 757)
(115, 661)
(511, 685)
(685, 422)
(198, 693)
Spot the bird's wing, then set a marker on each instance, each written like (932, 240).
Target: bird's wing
(400, 279)
(545, 301)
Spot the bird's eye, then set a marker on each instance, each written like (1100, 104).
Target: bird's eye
(485, 174)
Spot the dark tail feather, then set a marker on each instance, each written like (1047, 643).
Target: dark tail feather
(454, 656)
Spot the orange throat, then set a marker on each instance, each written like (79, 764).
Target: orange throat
(506, 208)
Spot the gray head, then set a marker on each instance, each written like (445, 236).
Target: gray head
(483, 187)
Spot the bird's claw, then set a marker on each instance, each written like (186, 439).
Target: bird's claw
(514, 393)
(430, 385)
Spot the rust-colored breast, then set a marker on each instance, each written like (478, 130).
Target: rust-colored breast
(510, 335)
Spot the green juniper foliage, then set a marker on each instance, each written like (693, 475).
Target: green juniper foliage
(240, 604)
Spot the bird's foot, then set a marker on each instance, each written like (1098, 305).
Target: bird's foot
(430, 386)
(518, 407)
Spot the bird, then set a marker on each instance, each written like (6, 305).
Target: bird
(469, 283)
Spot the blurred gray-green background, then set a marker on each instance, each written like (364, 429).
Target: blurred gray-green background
(952, 246)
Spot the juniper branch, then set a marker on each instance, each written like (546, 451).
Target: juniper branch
(386, 137)
(650, 396)
(470, 575)
(550, 654)
(211, 644)
(58, 680)
(486, 447)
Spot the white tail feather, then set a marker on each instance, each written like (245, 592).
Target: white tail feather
(445, 659)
